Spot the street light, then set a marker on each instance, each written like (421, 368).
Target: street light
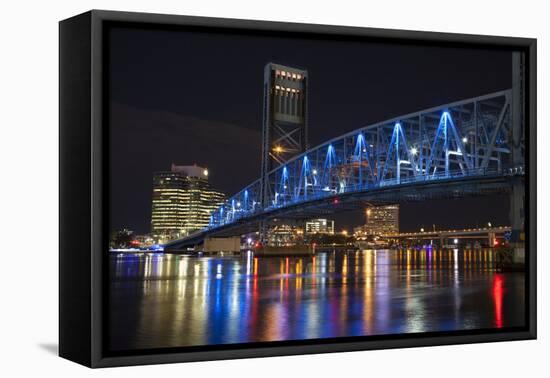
(456, 241)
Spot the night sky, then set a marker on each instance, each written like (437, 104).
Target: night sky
(193, 97)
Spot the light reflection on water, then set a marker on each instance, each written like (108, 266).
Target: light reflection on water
(169, 300)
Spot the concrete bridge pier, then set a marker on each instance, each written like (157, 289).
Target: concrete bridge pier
(517, 211)
(491, 237)
(517, 197)
(517, 219)
(229, 244)
(262, 228)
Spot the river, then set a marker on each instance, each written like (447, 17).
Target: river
(163, 300)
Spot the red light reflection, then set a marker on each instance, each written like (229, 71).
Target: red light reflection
(498, 293)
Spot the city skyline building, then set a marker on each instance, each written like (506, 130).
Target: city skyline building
(380, 220)
(319, 226)
(182, 201)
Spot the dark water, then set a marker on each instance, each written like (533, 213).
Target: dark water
(168, 300)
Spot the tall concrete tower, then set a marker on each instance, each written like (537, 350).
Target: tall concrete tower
(284, 117)
(517, 198)
(284, 132)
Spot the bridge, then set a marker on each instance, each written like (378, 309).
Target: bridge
(491, 234)
(470, 147)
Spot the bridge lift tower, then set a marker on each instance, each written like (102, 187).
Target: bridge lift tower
(284, 132)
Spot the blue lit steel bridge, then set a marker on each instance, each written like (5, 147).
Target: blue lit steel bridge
(465, 148)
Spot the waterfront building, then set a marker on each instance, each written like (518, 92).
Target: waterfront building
(144, 240)
(380, 221)
(182, 202)
(284, 234)
(360, 232)
(319, 226)
(121, 238)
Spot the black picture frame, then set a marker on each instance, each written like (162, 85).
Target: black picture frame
(84, 203)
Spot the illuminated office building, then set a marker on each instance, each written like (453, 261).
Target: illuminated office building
(382, 220)
(320, 226)
(182, 202)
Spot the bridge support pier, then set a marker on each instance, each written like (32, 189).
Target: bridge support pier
(517, 211)
(230, 244)
(517, 219)
(517, 197)
(491, 237)
(263, 232)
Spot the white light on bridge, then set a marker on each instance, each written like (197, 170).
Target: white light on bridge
(456, 241)
(465, 140)
(414, 151)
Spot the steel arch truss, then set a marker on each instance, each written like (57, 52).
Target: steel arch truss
(462, 139)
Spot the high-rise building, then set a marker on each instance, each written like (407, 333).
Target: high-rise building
(182, 202)
(382, 220)
(320, 226)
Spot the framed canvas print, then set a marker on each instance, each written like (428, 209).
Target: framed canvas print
(234, 188)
